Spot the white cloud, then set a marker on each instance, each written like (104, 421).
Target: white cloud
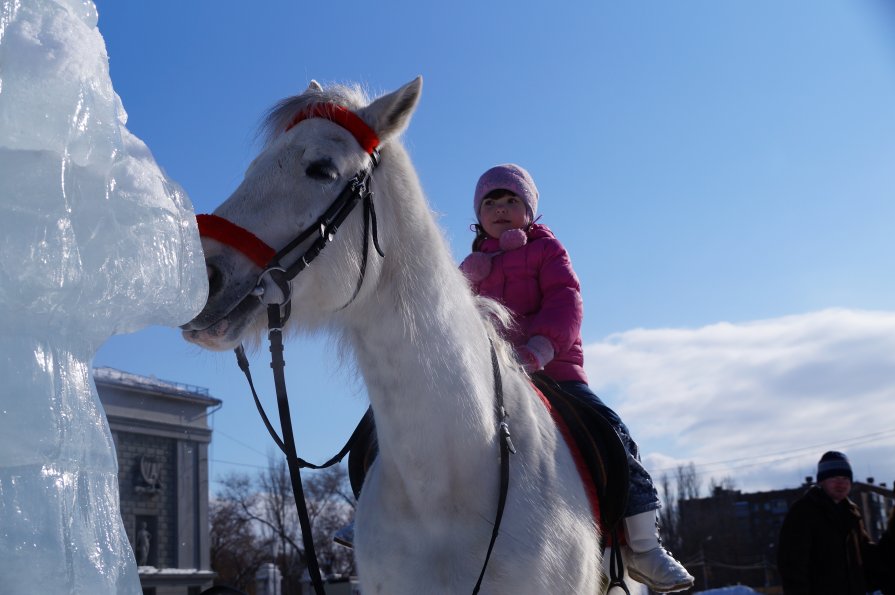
(757, 401)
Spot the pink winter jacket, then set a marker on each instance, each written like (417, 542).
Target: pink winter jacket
(536, 282)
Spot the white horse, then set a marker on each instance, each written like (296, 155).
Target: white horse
(425, 517)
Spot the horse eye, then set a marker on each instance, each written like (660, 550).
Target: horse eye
(323, 170)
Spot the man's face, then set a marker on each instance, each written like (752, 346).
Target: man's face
(836, 488)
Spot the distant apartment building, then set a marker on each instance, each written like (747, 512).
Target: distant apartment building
(731, 538)
(161, 435)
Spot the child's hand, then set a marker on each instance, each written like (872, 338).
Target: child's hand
(535, 354)
(476, 266)
(529, 360)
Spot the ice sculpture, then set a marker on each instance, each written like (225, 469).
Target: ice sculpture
(94, 240)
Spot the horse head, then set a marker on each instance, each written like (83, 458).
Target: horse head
(321, 148)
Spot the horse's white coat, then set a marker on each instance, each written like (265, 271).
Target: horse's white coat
(425, 516)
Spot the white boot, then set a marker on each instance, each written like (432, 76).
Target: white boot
(647, 561)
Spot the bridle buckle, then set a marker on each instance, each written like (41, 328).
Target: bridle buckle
(273, 287)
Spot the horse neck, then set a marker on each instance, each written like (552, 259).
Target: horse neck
(423, 350)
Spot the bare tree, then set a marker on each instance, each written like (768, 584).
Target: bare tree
(267, 508)
(330, 506)
(726, 484)
(688, 484)
(669, 518)
(237, 549)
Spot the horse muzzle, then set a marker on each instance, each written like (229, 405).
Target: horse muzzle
(232, 306)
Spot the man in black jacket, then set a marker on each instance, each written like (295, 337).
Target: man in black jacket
(823, 543)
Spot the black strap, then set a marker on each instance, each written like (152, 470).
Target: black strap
(355, 191)
(243, 363)
(506, 447)
(369, 220)
(275, 336)
(616, 564)
(326, 225)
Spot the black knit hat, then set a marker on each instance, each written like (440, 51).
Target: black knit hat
(833, 464)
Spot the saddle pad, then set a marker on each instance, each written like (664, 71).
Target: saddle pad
(598, 452)
(362, 452)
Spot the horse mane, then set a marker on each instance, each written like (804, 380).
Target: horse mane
(498, 323)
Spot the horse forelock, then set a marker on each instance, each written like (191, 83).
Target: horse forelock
(280, 115)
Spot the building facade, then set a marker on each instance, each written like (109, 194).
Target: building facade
(161, 436)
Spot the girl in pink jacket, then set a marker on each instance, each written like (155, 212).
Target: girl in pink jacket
(522, 265)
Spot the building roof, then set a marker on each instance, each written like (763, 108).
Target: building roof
(127, 380)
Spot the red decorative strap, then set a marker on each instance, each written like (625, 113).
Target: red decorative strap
(218, 228)
(345, 118)
(586, 477)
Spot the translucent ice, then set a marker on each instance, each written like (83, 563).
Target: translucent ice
(94, 240)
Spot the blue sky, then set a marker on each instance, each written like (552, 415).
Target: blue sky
(721, 173)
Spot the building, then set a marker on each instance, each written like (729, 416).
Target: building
(731, 538)
(161, 436)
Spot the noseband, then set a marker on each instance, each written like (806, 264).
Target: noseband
(274, 282)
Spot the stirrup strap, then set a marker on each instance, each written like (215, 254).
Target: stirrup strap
(616, 564)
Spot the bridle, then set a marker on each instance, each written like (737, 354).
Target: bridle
(274, 290)
(276, 276)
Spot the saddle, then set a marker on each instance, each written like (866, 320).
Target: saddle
(598, 452)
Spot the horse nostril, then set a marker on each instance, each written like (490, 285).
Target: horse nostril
(215, 279)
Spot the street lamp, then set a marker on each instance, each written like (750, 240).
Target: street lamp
(705, 563)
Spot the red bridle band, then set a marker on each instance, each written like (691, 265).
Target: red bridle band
(345, 118)
(218, 228)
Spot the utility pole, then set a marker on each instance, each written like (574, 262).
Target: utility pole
(705, 563)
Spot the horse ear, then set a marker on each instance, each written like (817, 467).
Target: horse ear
(390, 114)
(314, 86)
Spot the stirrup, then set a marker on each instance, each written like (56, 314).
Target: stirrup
(345, 536)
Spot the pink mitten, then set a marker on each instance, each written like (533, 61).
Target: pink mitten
(535, 354)
(476, 266)
(528, 359)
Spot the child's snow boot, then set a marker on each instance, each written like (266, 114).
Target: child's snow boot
(648, 562)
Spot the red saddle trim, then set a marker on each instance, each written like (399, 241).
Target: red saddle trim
(583, 471)
(239, 238)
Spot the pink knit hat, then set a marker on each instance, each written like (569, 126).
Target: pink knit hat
(508, 176)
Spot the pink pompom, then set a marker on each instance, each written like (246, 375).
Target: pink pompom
(512, 239)
(476, 266)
